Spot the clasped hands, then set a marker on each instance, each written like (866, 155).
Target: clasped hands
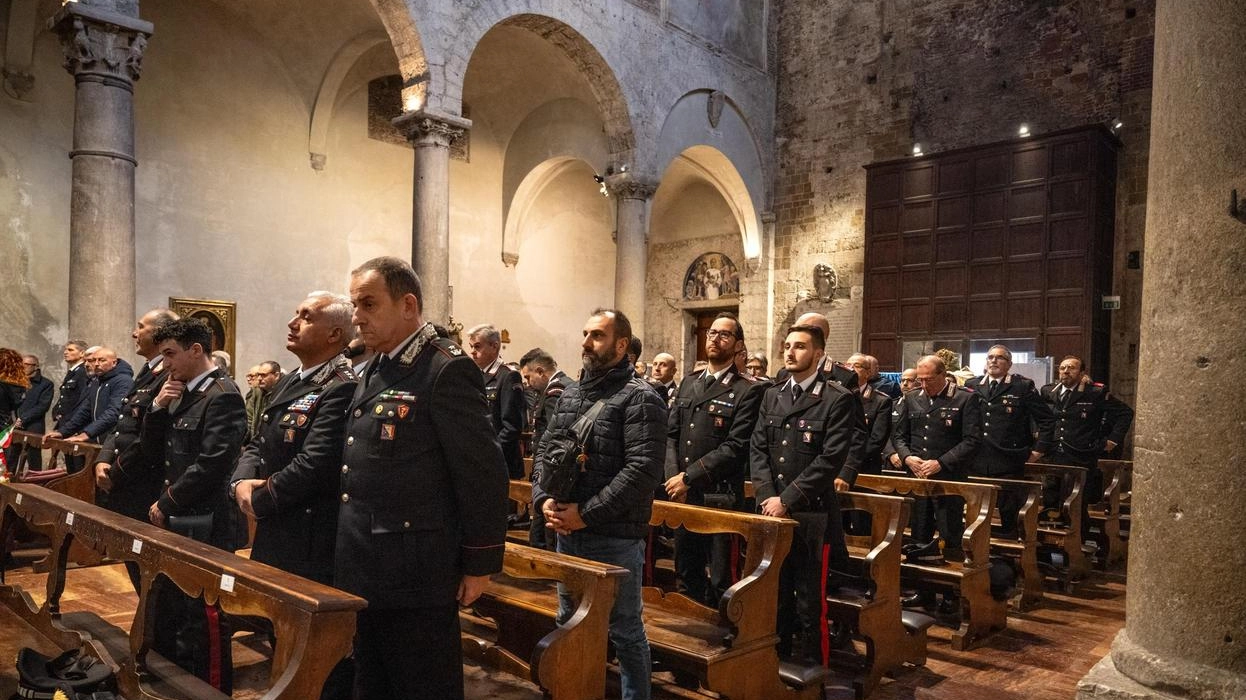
(923, 468)
(563, 518)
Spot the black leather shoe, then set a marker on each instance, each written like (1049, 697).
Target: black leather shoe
(927, 553)
(920, 599)
(949, 606)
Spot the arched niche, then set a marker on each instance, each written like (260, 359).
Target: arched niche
(530, 191)
(706, 130)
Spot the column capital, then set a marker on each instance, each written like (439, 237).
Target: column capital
(626, 186)
(423, 127)
(101, 42)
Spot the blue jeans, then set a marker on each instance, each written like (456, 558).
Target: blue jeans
(627, 628)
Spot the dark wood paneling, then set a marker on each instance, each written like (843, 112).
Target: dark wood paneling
(1010, 239)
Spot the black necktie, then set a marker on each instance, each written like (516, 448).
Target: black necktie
(796, 392)
(994, 385)
(1064, 396)
(377, 363)
(708, 382)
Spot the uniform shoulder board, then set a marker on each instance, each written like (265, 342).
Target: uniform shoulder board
(968, 388)
(448, 347)
(339, 367)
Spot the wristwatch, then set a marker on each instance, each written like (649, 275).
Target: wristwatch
(684, 476)
(233, 490)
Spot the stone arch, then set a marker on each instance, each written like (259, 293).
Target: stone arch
(330, 88)
(413, 62)
(724, 149)
(605, 86)
(526, 195)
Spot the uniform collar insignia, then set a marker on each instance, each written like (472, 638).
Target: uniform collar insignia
(817, 388)
(423, 337)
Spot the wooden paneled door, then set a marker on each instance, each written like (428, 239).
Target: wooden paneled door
(1010, 239)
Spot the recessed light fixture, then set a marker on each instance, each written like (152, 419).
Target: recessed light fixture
(1024, 130)
(917, 149)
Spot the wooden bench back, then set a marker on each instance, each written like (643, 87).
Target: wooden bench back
(979, 505)
(314, 623)
(80, 485)
(889, 515)
(1072, 482)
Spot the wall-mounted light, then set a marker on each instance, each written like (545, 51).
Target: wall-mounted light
(917, 149)
(1024, 130)
(1117, 125)
(601, 182)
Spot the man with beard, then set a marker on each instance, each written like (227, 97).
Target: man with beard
(803, 438)
(707, 441)
(606, 517)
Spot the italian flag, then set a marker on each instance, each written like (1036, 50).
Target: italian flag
(6, 438)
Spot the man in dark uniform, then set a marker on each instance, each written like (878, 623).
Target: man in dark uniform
(936, 434)
(287, 477)
(422, 522)
(195, 427)
(541, 373)
(662, 375)
(32, 414)
(710, 424)
(74, 384)
(1010, 406)
(1089, 422)
(129, 483)
(877, 407)
(503, 391)
(803, 437)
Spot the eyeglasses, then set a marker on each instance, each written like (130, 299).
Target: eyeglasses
(712, 334)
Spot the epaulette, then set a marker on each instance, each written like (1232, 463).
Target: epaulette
(555, 390)
(448, 347)
(749, 378)
(339, 367)
(426, 334)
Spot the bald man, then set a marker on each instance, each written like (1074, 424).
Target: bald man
(96, 415)
(662, 375)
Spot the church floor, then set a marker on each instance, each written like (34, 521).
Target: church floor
(1041, 655)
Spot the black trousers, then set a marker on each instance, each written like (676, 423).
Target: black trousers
(693, 553)
(1053, 495)
(409, 654)
(946, 513)
(194, 635)
(817, 547)
(996, 464)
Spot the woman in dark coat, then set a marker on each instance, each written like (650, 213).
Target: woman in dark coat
(13, 385)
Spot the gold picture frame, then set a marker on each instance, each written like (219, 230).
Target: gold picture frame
(221, 317)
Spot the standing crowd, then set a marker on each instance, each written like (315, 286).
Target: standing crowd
(379, 464)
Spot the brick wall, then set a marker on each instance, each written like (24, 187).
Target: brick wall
(860, 81)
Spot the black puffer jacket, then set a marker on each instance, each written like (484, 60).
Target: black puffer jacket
(626, 450)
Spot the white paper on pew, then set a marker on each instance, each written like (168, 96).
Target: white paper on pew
(227, 583)
(69, 518)
(137, 547)
(19, 499)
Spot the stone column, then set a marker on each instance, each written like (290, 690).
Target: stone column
(1185, 618)
(430, 227)
(103, 44)
(631, 246)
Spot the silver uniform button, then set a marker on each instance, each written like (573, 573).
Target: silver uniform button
(350, 440)
(358, 412)
(406, 524)
(166, 482)
(784, 442)
(782, 459)
(265, 417)
(345, 497)
(345, 468)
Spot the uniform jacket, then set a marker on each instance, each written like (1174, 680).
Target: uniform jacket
(297, 451)
(708, 432)
(136, 480)
(97, 413)
(1089, 418)
(798, 449)
(665, 391)
(33, 410)
(626, 451)
(877, 410)
(73, 388)
(423, 482)
(886, 387)
(508, 411)
(198, 439)
(946, 427)
(544, 411)
(1010, 415)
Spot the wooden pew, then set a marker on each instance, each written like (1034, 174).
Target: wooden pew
(731, 650)
(79, 485)
(981, 615)
(1107, 516)
(869, 606)
(1066, 535)
(313, 624)
(1024, 546)
(524, 641)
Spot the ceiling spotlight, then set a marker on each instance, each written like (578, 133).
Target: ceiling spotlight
(1023, 131)
(917, 149)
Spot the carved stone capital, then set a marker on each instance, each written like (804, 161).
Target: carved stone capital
(423, 128)
(101, 43)
(624, 186)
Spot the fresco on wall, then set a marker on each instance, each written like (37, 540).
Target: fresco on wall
(711, 276)
(735, 25)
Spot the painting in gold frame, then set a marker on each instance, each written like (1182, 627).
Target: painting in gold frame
(221, 317)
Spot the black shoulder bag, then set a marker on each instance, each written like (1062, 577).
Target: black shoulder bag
(564, 455)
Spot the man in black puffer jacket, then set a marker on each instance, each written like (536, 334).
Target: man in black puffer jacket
(607, 517)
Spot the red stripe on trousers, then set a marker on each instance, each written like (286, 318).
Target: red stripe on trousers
(826, 631)
(214, 645)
